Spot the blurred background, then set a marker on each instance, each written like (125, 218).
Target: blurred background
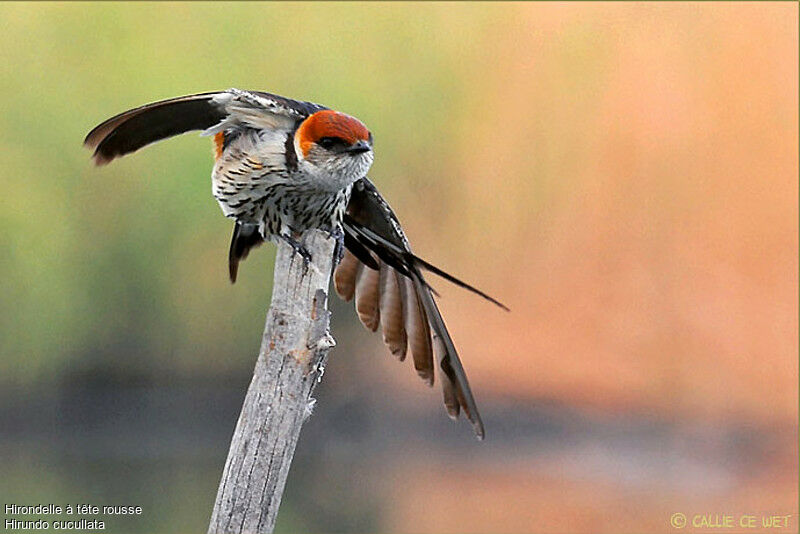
(623, 176)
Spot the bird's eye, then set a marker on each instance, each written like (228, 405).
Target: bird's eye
(330, 142)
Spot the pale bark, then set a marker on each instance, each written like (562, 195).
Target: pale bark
(291, 361)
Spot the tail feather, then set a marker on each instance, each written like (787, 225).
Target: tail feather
(399, 257)
(245, 237)
(391, 305)
(451, 363)
(419, 331)
(408, 314)
(451, 402)
(344, 278)
(367, 297)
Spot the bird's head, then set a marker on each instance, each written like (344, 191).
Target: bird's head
(335, 147)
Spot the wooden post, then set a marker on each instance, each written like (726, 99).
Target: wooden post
(294, 349)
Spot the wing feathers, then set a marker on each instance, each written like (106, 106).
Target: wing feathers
(391, 306)
(451, 364)
(419, 333)
(359, 251)
(410, 320)
(399, 256)
(451, 401)
(133, 129)
(408, 314)
(209, 112)
(344, 278)
(367, 294)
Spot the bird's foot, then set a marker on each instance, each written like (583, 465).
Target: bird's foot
(299, 249)
(338, 250)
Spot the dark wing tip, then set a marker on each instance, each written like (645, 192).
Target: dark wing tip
(94, 138)
(100, 159)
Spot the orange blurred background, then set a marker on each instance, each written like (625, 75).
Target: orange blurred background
(649, 256)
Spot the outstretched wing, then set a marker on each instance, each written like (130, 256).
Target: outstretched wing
(210, 112)
(385, 278)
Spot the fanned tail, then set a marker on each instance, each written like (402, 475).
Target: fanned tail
(386, 279)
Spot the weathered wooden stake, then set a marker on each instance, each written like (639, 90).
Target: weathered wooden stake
(294, 349)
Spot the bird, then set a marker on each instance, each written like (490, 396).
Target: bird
(285, 166)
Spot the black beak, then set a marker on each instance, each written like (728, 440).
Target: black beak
(359, 147)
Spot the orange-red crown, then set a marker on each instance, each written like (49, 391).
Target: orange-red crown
(329, 123)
